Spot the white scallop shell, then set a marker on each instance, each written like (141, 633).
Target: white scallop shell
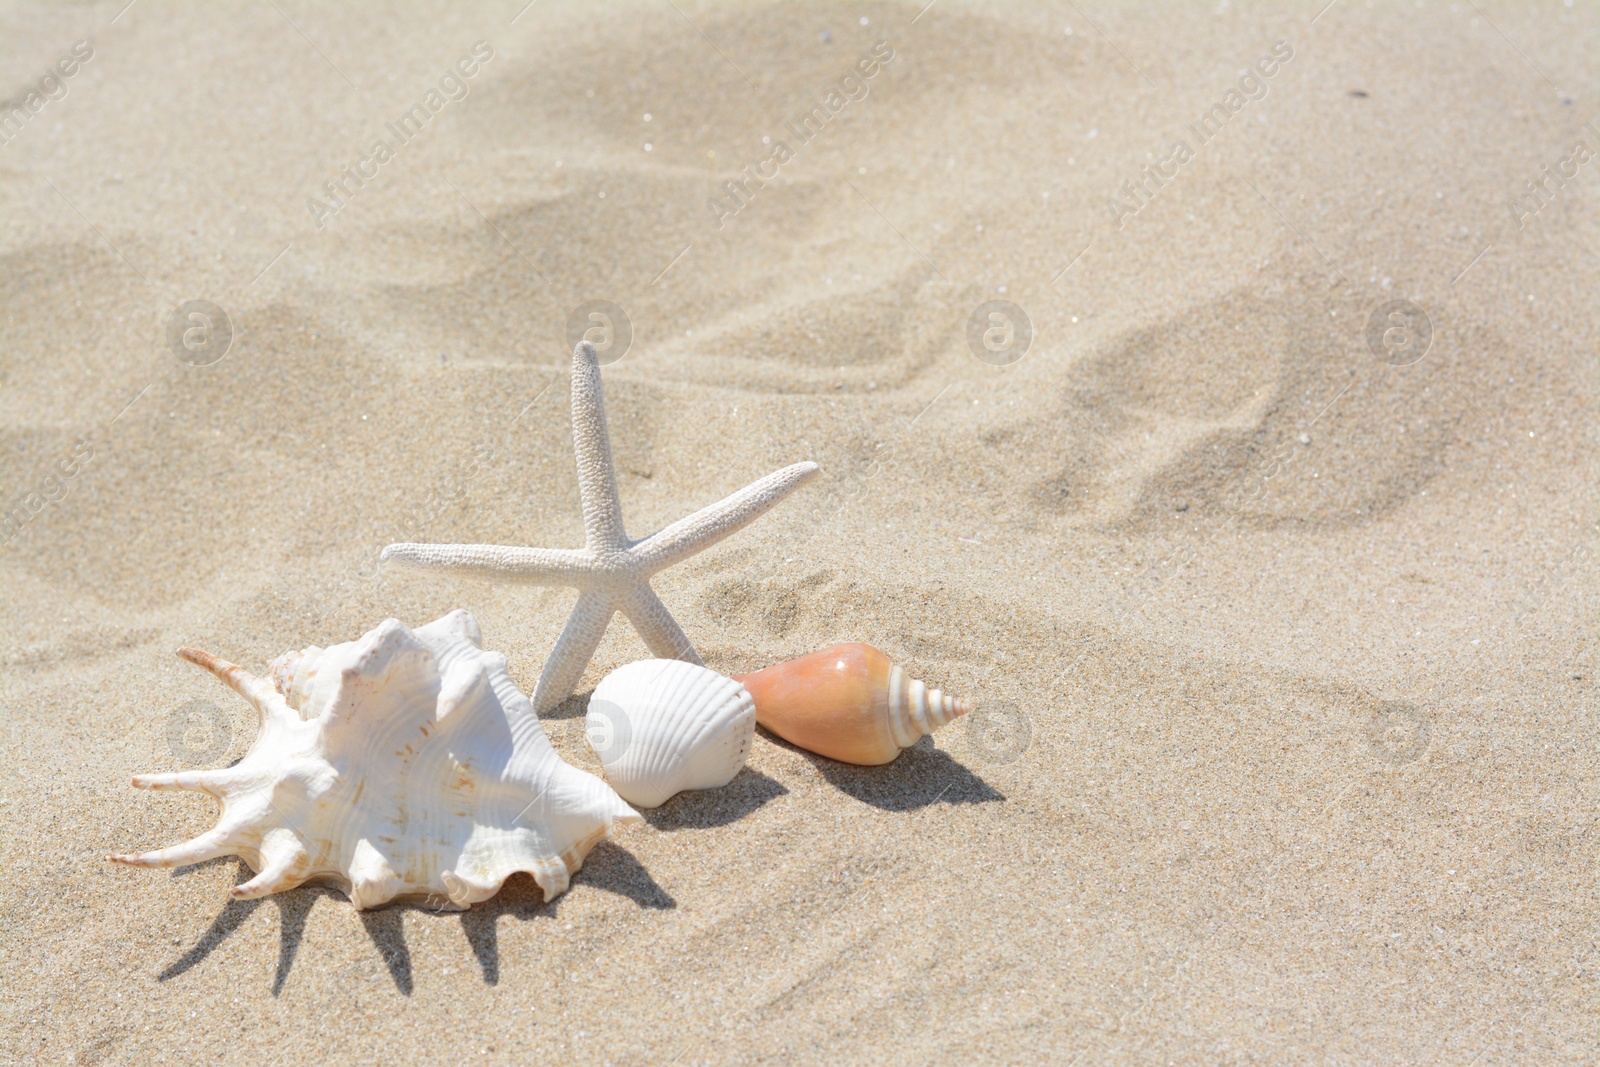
(661, 726)
(405, 764)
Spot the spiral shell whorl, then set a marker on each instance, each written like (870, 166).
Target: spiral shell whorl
(292, 674)
(914, 709)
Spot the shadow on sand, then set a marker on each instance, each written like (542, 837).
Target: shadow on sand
(608, 866)
(922, 775)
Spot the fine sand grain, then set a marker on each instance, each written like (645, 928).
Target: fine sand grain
(1284, 637)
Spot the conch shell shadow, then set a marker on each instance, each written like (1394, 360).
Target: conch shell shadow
(921, 775)
(293, 907)
(608, 866)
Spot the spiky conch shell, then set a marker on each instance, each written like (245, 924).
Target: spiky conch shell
(403, 765)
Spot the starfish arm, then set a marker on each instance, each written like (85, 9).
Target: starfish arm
(656, 625)
(574, 648)
(597, 477)
(675, 543)
(530, 566)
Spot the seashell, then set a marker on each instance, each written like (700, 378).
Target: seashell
(849, 703)
(661, 726)
(401, 765)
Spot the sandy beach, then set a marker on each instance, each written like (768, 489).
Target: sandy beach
(1207, 391)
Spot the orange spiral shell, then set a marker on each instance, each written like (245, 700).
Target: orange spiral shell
(849, 703)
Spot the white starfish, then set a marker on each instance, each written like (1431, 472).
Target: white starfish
(611, 572)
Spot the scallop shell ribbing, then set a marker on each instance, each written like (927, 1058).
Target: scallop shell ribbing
(661, 726)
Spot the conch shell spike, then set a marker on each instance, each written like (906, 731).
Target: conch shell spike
(285, 863)
(197, 781)
(208, 846)
(257, 691)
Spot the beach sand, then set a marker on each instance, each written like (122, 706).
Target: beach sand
(1283, 628)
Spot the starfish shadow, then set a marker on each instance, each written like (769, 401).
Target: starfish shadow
(609, 866)
(575, 706)
(920, 776)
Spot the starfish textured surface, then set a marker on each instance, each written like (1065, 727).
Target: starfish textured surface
(611, 572)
